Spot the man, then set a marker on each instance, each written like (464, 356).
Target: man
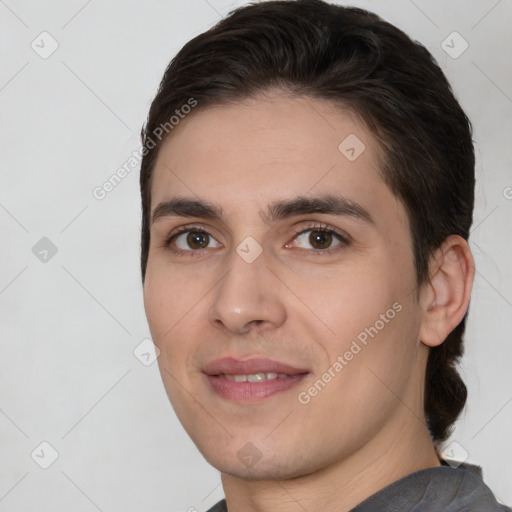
(307, 193)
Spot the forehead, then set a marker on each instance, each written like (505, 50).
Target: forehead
(272, 147)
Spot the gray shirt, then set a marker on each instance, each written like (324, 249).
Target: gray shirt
(443, 488)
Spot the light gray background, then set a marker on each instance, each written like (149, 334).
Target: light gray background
(69, 326)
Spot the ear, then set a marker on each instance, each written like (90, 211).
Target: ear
(445, 297)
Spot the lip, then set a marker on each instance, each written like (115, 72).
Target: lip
(247, 392)
(232, 366)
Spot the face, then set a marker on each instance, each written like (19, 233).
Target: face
(280, 287)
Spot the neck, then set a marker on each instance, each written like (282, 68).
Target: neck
(402, 448)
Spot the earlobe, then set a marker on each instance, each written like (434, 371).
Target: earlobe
(446, 296)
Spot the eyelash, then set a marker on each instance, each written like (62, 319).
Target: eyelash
(343, 238)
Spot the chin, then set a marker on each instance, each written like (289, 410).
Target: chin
(263, 470)
(249, 463)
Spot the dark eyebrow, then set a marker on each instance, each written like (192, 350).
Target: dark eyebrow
(333, 204)
(185, 207)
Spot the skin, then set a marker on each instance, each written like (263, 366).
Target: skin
(366, 428)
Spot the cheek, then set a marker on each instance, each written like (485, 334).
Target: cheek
(156, 299)
(165, 306)
(376, 328)
(164, 302)
(348, 299)
(363, 313)
(166, 292)
(174, 302)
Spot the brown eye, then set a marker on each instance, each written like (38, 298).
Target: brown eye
(190, 240)
(197, 240)
(320, 239)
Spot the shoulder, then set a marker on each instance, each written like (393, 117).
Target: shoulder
(451, 489)
(474, 495)
(219, 507)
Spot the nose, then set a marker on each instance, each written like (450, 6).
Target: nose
(247, 297)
